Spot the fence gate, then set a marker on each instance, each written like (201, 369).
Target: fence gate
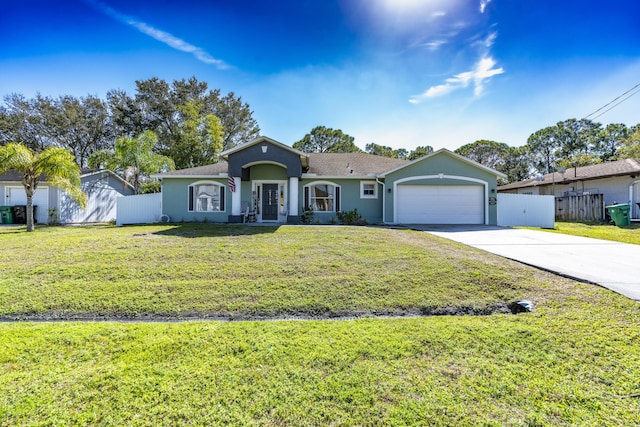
(140, 209)
(525, 210)
(587, 207)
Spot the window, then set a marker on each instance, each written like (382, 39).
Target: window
(322, 197)
(206, 197)
(368, 190)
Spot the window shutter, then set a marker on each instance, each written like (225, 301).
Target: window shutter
(190, 198)
(306, 198)
(337, 199)
(223, 193)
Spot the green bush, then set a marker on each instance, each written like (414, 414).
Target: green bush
(307, 216)
(351, 218)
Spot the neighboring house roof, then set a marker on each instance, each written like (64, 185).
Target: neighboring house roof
(583, 173)
(13, 175)
(86, 173)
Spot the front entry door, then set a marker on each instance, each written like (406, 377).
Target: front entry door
(269, 202)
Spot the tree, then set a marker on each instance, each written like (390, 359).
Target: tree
(420, 151)
(610, 139)
(630, 147)
(326, 140)
(543, 146)
(56, 165)
(133, 159)
(568, 143)
(517, 164)
(198, 137)
(381, 150)
(81, 125)
(20, 120)
(157, 106)
(491, 154)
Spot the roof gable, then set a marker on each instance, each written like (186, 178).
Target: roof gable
(445, 152)
(259, 140)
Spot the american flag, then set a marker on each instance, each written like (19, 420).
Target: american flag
(232, 184)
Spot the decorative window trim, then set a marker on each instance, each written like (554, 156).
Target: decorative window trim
(192, 203)
(373, 195)
(337, 202)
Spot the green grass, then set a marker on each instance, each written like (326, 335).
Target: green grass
(567, 363)
(204, 270)
(627, 234)
(553, 367)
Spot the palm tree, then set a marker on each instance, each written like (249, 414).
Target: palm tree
(133, 158)
(55, 165)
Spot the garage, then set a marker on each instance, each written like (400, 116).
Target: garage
(440, 204)
(16, 196)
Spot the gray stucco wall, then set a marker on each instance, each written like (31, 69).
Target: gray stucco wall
(254, 153)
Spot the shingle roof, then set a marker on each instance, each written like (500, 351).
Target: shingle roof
(11, 175)
(321, 164)
(583, 173)
(206, 170)
(351, 164)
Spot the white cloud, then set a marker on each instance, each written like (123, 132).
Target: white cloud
(162, 36)
(482, 71)
(483, 5)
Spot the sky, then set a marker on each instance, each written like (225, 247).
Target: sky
(400, 73)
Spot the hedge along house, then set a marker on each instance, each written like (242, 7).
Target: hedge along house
(270, 182)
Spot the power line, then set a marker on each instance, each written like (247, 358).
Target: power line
(613, 106)
(614, 100)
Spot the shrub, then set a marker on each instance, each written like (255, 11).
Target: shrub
(351, 218)
(307, 216)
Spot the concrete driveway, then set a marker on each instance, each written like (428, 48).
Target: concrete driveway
(613, 265)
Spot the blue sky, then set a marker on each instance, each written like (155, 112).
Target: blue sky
(401, 73)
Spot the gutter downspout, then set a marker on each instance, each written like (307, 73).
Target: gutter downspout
(384, 198)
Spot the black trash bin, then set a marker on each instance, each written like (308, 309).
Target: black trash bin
(20, 214)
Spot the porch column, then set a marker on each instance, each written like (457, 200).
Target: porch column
(293, 196)
(236, 198)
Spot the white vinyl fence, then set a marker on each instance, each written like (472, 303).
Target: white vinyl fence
(526, 210)
(140, 209)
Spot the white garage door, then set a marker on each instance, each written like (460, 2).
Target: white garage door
(440, 204)
(17, 196)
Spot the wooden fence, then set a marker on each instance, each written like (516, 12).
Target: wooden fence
(587, 207)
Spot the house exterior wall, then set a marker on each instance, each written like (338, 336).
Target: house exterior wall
(175, 201)
(273, 153)
(350, 198)
(42, 214)
(102, 190)
(453, 172)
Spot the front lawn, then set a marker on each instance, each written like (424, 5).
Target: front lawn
(575, 360)
(204, 270)
(628, 234)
